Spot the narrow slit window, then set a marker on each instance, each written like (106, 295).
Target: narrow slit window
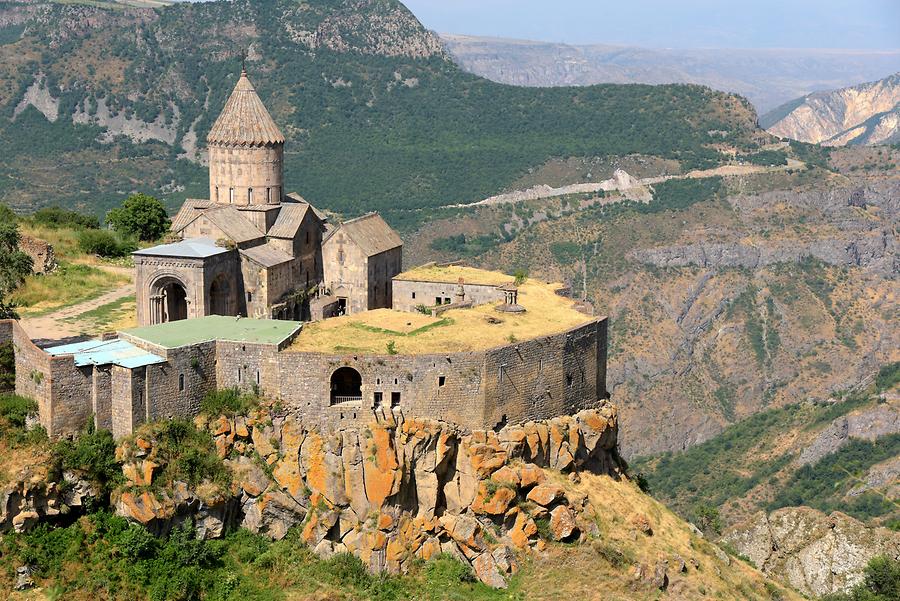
(180, 382)
(442, 380)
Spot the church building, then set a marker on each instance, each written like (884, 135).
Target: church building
(251, 250)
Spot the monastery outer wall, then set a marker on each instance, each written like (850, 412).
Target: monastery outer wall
(170, 397)
(427, 292)
(545, 377)
(62, 391)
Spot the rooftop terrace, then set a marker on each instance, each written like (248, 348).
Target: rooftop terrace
(452, 273)
(456, 330)
(183, 333)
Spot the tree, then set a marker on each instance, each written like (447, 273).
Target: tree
(141, 216)
(14, 266)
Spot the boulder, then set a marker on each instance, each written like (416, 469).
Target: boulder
(486, 569)
(562, 523)
(544, 494)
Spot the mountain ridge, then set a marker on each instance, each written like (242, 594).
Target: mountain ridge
(864, 114)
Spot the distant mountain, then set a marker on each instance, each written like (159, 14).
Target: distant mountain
(98, 100)
(767, 77)
(866, 114)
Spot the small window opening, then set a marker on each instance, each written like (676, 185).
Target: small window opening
(250, 196)
(442, 380)
(379, 399)
(231, 195)
(395, 400)
(269, 195)
(414, 295)
(257, 377)
(569, 381)
(437, 301)
(180, 382)
(249, 297)
(396, 381)
(446, 301)
(239, 375)
(377, 381)
(217, 193)
(307, 237)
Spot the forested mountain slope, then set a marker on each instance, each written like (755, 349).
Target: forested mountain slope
(97, 102)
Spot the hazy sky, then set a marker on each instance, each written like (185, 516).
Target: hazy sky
(871, 24)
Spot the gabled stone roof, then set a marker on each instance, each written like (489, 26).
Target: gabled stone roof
(230, 221)
(267, 255)
(244, 120)
(192, 248)
(290, 217)
(188, 212)
(370, 233)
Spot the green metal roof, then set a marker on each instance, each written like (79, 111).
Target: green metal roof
(233, 329)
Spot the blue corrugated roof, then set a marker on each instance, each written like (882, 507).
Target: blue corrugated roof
(110, 352)
(193, 248)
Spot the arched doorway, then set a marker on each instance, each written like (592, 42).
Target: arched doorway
(221, 297)
(346, 386)
(168, 301)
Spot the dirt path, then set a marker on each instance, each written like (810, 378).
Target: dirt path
(53, 327)
(634, 189)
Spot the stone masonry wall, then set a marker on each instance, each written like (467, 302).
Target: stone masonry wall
(176, 388)
(408, 294)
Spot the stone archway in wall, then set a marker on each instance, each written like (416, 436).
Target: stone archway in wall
(168, 301)
(221, 297)
(346, 386)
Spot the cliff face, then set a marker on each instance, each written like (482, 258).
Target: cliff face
(815, 553)
(867, 114)
(391, 493)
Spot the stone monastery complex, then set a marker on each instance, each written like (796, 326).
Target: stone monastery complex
(259, 290)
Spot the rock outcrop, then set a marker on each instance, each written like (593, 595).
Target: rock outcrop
(31, 498)
(864, 114)
(391, 493)
(871, 424)
(815, 553)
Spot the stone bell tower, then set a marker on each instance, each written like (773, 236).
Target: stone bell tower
(246, 152)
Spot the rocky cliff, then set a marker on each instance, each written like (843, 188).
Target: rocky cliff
(866, 114)
(815, 553)
(391, 493)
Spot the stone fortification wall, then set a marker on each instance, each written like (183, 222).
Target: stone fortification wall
(62, 391)
(409, 294)
(536, 379)
(177, 387)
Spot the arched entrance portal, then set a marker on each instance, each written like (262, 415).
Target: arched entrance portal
(220, 297)
(168, 301)
(346, 386)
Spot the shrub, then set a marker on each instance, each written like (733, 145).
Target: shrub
(7, 367)
(141, 216)
(888, 376)
(228, 402)
(14, 409)
(105, 244)
(56, 217)
(94, 453)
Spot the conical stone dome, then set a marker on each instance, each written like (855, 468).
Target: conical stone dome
(244, 120)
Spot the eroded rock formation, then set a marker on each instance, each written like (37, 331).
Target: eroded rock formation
(390, 493)
(815, 553)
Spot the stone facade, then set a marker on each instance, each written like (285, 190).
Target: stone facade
(535, 379)
(407, 295)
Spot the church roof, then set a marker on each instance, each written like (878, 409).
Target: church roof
(188, 212)
(192, 248)
(267, 255)
(371, 234)
(244, 120)
(229, 220)
(289, 219)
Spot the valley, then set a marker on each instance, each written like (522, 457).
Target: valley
(750, 278)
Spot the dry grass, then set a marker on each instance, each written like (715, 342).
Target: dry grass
(452, 274)
(579, 572)
(457, 330)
